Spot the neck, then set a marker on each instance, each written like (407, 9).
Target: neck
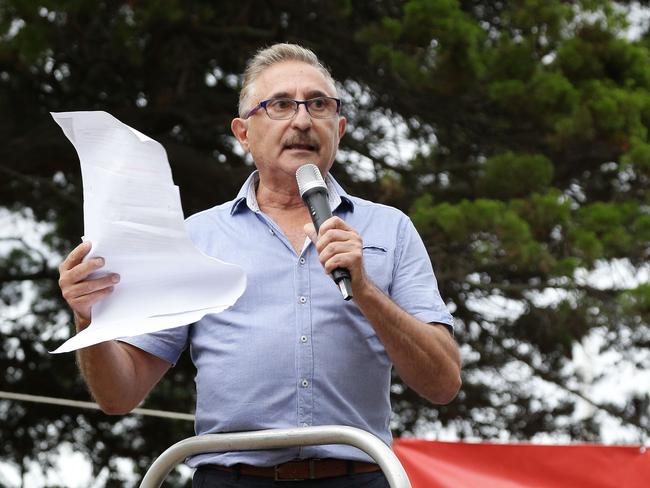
(285, 207)
(271, 197)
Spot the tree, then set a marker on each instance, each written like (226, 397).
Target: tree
(530, 171)
(538, 176)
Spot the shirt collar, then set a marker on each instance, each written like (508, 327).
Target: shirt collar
(246, 197)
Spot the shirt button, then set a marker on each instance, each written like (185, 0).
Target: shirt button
(303, 338)
(304, 383)
(271, 232)
(302, 261)
(302, 300)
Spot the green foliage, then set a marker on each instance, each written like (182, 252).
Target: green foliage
(489, 232)
(516, 175)
(638, 158)
(613, 228)
(439, 40)
(636, 301)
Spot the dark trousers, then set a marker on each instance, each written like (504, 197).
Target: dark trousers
(212, 478)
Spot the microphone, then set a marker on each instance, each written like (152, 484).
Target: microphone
(313, 191)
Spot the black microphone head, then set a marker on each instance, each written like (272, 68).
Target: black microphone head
(308, 176)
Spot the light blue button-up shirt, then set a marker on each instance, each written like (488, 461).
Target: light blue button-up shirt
(291, 352)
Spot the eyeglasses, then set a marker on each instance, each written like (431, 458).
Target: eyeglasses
(286, 108)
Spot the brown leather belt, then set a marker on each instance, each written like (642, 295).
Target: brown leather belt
(306, 469)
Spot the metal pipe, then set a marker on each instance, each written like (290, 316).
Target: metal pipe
(278, 438)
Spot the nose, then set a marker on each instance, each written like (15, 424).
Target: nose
(301, 120)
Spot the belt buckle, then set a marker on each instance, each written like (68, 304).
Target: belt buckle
(277, 476)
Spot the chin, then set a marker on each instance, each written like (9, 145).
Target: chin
(298, 160)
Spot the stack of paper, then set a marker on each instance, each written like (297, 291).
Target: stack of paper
(134, 219)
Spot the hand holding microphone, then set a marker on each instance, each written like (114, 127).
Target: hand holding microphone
(313, 191)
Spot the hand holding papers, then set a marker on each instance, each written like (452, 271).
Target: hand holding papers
(133, 217)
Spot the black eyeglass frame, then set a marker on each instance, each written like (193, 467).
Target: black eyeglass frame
(297, 103)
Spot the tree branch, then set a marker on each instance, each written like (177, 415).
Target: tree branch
(605, 408)
(35, 181)
(45, 274)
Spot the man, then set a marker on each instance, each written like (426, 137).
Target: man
(291, 352)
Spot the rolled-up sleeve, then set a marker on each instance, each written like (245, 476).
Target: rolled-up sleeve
(414, 286)
(166, 344)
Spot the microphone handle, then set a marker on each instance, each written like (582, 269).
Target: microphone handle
(318, 205)
(319, 210)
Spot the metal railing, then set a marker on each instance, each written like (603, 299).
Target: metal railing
(275, 439)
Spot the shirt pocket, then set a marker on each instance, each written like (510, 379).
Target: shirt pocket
(378, 263)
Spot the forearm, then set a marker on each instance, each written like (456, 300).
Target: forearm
(425, 356)
(118, 375)
(109, 374)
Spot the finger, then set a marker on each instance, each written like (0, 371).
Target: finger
(336, 235)
(75, 256)
(88, 287)
(345, 260)
(310, 231)
(85, 302)
(334, 248)
(333, 222)
(79, 272)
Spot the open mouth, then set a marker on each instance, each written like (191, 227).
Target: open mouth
(302, 147)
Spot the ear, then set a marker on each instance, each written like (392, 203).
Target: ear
(342, 124)
(239, 128)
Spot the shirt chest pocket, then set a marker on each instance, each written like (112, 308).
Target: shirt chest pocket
(378, 263)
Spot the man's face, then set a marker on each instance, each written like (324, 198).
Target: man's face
(280, 147)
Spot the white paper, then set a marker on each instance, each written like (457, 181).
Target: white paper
(134, 219)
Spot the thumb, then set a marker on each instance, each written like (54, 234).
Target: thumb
(310, 230)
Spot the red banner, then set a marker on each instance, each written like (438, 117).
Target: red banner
(431, 464)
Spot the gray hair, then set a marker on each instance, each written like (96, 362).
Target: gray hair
(269, 56)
